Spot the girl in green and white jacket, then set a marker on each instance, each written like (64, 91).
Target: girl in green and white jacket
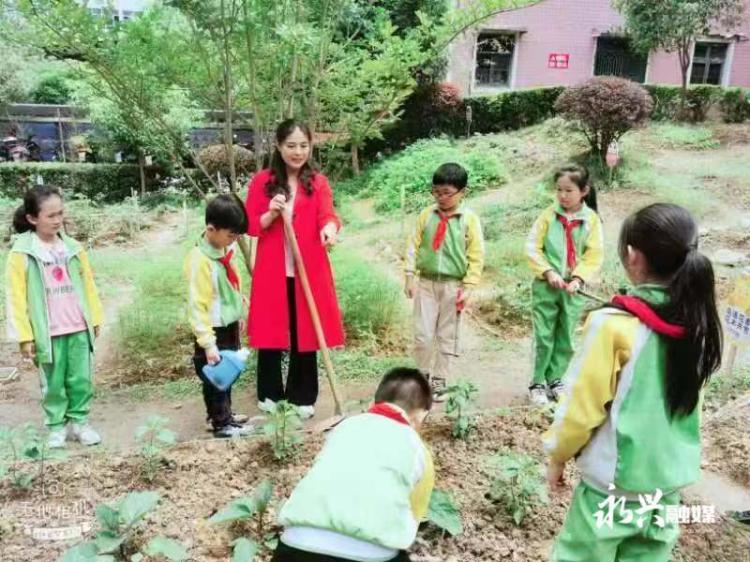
(54, 313)
(630, 411)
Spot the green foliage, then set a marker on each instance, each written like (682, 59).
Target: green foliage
(283, 431)
(444, 514)
(512, 110)
(52, 89)
(370, 300)
(405, 180)
(244, 550)
(23, 456)
(698, 101)
(604, 108)
(518, 484)
(735, 105)
(459, 402)
(154, 438)
(98, 182)
(118, 524)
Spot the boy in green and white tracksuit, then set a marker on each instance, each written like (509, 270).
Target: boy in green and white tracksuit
(562, 247)
(370, 486)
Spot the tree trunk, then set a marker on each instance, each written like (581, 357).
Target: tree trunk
(142, 170)
(355, 159)
(684, 57)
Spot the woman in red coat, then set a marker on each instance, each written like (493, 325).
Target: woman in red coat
(279, 317)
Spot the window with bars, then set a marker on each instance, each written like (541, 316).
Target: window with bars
(708, 63)
(615, 57)
(494, 61)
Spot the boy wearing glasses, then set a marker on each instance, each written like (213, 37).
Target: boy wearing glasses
(446, 253)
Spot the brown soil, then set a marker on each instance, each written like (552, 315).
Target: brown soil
(197, 479)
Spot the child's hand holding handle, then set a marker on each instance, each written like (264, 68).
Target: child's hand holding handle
(554, 280)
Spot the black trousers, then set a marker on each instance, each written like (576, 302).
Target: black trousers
(218, 402)
(302, 380)
(286, 553)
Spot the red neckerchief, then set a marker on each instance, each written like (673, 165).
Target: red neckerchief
(385, 409)
(442, 229)
(643, 311)
(569, 227)
(234, 281)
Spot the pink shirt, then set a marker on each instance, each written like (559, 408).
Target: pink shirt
(65, 314)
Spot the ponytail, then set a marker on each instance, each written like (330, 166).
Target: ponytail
(32, 204)
(693, 359)
(590, 199)
(20, 222)
(667, 236)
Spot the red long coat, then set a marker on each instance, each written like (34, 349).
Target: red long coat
(268, 322)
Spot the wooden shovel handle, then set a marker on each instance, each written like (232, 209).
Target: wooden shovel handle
(312, 307)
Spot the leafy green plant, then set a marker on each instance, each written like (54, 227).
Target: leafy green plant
(252, 509)
(282, 430)
(517, 484)
(444, 514)
(154, 438)
(459, 401)
(114, 542)
(23, 448)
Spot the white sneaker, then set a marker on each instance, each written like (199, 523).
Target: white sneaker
(84, 434)
(232, 430)
(56, 438)
(306, 412)
(267, 406)
(538, 395)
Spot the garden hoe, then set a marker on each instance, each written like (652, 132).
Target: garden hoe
(304, 281)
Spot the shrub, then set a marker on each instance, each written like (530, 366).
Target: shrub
(405, 178)
(667, 101)
(52, 89)
(460, 400)
(215, 159)
(735, 105)
(605, 108)
(512, 110)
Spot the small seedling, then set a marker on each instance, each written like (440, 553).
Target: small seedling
(154, 438)
(283, 430)
(459, 401)
(20, 448)
(444, 514)
(114, 542)
(518, 484)
(253, 509)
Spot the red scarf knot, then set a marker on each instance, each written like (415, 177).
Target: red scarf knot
(232, 277)
(442, 230)
(643, 311)
(385, 409)
(570, 243)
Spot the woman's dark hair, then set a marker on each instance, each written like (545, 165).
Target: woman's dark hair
(407, 388)
(667, 236)
(32, 204)
(579, 175)
(279, 180)
(225, 211)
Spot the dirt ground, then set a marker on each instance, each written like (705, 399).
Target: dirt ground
(201, 475)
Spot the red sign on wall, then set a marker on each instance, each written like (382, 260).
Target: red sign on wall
(558, 60)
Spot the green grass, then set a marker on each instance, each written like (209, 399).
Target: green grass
(371, 302)
(675, 135)
(723, 387)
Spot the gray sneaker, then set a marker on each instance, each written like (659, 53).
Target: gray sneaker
(56, 438)
(84, 434)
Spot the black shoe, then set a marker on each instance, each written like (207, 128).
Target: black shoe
(555, 389)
